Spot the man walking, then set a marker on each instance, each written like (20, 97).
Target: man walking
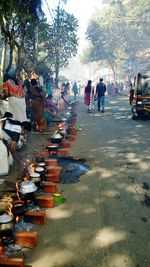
(100, 94)
(75, 90)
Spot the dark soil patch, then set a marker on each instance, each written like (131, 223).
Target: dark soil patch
(72, 169)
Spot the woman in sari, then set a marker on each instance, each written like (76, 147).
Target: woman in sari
(37, 102)
(51, 108)
(89, 96)
(16, 98)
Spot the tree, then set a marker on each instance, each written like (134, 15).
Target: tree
(65, 40)
(118, 32)
(105, 37)
(15, 15)
(57, 42)
(47, 45)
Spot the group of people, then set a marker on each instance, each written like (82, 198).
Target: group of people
(99, 95)
(29, 108)
(115, 88)
(92, 94)
(27, 100)
(74, 88)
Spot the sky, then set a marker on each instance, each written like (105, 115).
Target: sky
(81, 9)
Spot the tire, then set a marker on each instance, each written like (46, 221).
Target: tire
(134, 117)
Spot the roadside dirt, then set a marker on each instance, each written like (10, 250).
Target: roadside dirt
(105, 221)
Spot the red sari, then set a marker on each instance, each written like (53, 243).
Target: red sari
(88, 95)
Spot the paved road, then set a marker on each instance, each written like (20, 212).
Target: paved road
(104, 222)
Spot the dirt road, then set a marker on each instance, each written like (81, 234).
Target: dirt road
(104, 222)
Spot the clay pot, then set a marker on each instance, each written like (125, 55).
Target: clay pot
(35, 178)
(51, 162)
(52, 148)
(18, 208)
(6, 223)
(41, 164)
(56, 138)
(39, 158)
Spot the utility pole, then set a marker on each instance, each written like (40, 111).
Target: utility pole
(57, 44)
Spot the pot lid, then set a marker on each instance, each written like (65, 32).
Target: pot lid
(28, 190)
(41, 163)
(5, 218)
(63, 119)
(52, 146)
(18, 204)
(34, 174)
(27, 184)
(39, 157)
(39, 169)
(27, 187)
(57, 136)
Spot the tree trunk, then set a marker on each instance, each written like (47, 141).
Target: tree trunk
(57, 46)
(114, 73)
(18, 55)
(11, 46)
(35, 47)
(3, 59)
(56, 77)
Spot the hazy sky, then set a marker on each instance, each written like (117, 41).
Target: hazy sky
(83, 10)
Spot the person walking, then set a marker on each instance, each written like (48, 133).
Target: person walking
(100, 95)
(89, 96)
(75, 90)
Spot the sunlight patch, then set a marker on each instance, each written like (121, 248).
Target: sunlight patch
(104, 173)
(109, 193)
(121, 261)
(131, 189)
(54, 258)
(133, 157)
(82, 188)
(59, 213)
(144, 166)
(89, 210)
(108, 236)
(72, 240)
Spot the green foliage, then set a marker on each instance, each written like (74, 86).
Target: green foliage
(57, 42)
(65, 28)
(105, 36)
(119, 31)
(38, 43)
(15, 18)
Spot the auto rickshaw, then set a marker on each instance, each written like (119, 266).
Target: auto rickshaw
(140, 96)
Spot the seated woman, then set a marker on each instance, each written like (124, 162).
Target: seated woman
(10, 133)
(23, 137)
(51, 108)
(63, 102)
